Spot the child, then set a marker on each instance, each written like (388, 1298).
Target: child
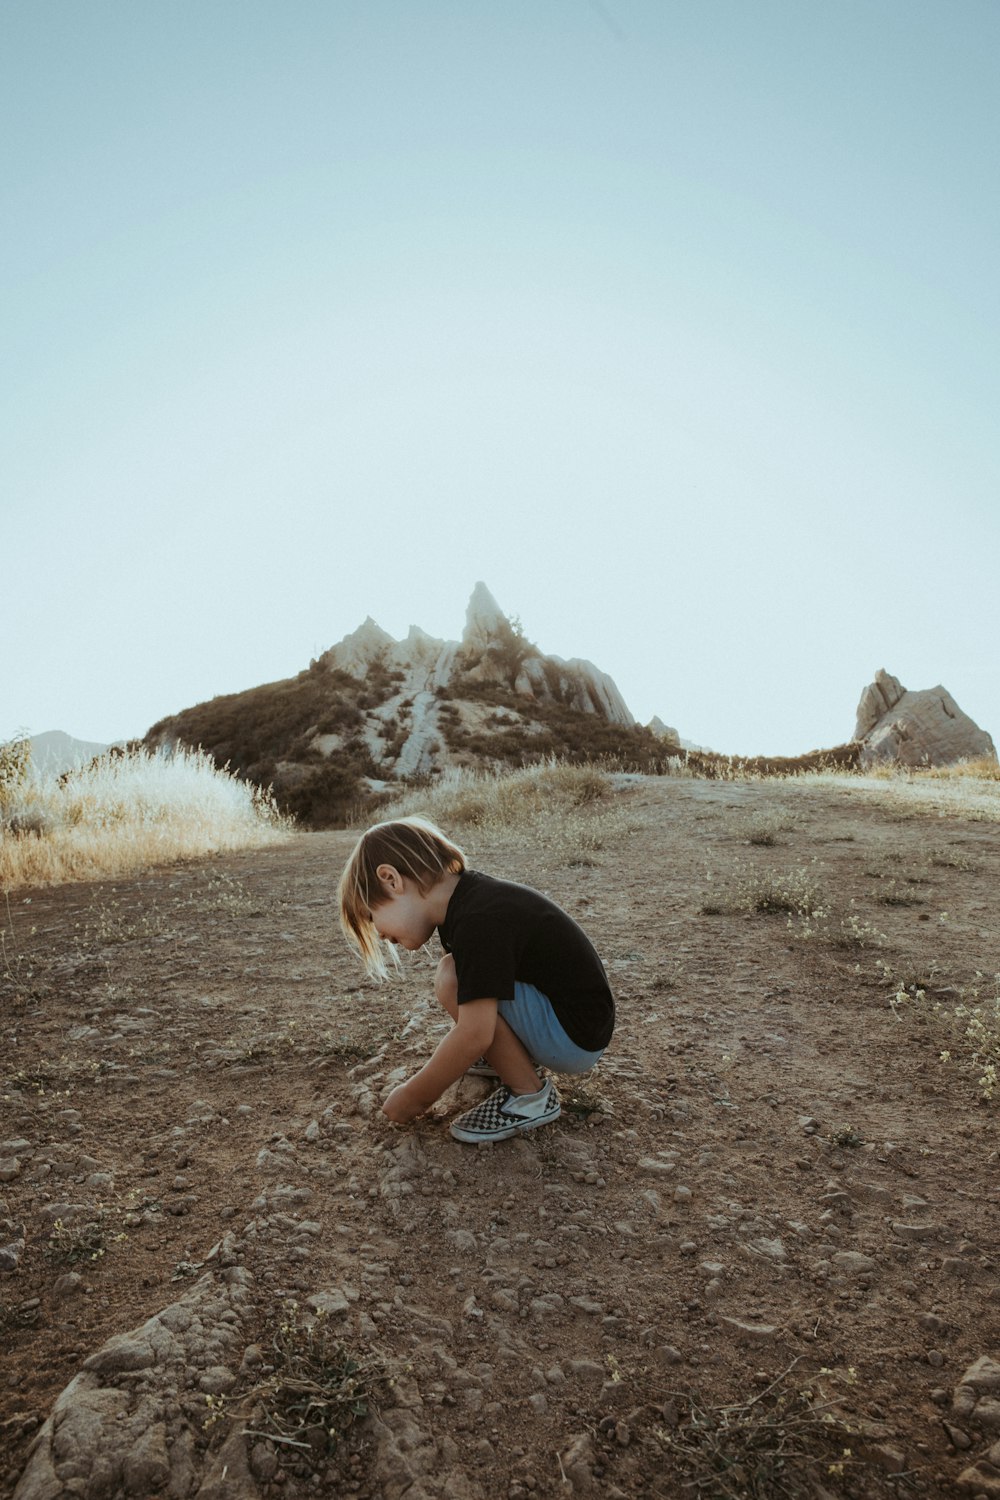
(519, 978)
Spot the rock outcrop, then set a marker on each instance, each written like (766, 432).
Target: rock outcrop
(372, 711)
(663, 731)
(924, 728)
(492, 650)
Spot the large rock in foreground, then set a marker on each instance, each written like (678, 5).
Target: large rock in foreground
(925, 728)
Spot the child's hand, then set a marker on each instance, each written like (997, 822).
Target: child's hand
(397, 1106)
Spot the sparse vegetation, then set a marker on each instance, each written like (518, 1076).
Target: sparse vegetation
(124, 812)
(962, 791)
(313, 1392)
(499, 800)
(771, 1446)
(768, 892)
(965, 1026)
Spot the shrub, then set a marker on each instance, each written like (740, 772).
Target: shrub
(15, 758)
(126, 811)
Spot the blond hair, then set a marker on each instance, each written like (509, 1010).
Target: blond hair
(414, 847)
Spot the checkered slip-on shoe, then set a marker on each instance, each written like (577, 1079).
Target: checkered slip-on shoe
(505, 1114)
(482, 1069)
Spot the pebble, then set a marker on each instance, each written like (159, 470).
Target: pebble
(330, 1303)
(853, 1262)
(917, 1232)
(931, 1323)
(750, 1332)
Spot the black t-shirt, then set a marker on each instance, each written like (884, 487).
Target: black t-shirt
(499, 933)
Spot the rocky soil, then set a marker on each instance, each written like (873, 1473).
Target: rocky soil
(773, 1203)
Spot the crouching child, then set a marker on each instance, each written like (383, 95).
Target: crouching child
(519, 978)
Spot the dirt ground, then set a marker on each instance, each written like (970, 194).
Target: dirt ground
(772, 1185)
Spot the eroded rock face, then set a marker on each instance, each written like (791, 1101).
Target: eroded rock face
(490, 649)
(924, 728)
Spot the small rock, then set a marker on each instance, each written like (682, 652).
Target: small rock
(68, 1285)
(749, 1332)
(331, 1303)
(853, 1262)
(916, 1232)
(958, 1439)
(889, 1458)
(587, 1305)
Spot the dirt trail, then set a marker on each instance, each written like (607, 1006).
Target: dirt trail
(769, 1169)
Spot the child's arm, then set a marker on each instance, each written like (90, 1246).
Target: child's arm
(469, 1038)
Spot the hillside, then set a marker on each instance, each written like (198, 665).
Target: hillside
(372, 712)
(775, 1198)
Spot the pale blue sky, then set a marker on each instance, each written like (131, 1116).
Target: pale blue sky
(676, 323)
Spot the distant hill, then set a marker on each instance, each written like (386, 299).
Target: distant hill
(54, 752)
(373, 711)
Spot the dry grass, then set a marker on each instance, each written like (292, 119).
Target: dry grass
(500, 800)
(313, 1392)
(969, 790)
(568, 810)
(768, 892)
(778, 1445)
(123, 813)
(965, 1031)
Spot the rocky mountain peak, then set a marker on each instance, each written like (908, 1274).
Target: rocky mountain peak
(484, 619)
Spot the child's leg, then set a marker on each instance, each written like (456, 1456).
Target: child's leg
(508, 1054)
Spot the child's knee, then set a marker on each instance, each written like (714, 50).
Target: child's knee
(446, 984)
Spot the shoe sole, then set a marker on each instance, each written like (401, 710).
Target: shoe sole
(473, 1137)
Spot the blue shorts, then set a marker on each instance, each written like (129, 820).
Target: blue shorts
(533, 1021)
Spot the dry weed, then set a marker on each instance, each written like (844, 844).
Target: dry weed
(772, 1446)
(964, 1024)
(794, 892)
(313, 1391)
(569, 810)
(125, 812)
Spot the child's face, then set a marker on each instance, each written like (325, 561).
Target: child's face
(403, 916)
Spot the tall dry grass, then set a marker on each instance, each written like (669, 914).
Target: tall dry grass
(569, 811)
(500, 800)
(125, 812)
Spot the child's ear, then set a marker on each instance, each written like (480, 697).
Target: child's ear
(389, 879)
